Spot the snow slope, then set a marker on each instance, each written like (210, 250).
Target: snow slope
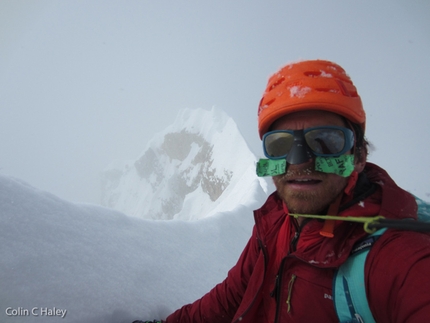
(104, 266)
(101, 265)
(198, 166)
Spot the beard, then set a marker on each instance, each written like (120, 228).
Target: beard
(313, 197)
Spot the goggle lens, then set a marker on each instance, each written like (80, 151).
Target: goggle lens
(323, 141)
(278, 144)
(326, 141)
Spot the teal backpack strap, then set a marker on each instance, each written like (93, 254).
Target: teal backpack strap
(423, 210)
(349, 291)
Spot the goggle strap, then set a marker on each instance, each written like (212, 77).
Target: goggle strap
(351, 127)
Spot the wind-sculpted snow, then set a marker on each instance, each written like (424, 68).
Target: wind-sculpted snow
(198, 166)
(100, 265)
(94, 264)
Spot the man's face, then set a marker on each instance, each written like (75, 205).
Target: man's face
(305, 190)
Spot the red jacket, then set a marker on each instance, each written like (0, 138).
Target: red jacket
(285, 273)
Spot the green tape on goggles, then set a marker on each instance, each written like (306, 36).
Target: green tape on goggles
(341, 165)
(271, 167)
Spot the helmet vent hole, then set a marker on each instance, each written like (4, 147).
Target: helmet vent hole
(313, 73)
(327, 90)
(277, 83)
(354, 94)
(269, 102)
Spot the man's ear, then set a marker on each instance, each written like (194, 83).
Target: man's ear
(360, 160)
(359, 166)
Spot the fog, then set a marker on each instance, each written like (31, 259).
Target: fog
(84, 83)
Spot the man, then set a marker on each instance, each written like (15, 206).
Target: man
(312, 124)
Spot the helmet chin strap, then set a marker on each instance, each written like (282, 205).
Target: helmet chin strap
(333, 209)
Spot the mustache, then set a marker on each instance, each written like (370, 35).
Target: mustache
(294, 173)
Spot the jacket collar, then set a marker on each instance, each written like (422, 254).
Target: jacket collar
(386, 199)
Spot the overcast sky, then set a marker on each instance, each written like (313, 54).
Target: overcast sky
(83, 83)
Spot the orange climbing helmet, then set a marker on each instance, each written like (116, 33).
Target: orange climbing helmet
(310, 85)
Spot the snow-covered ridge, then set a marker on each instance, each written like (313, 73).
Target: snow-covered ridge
(196, 167)
(96, 264)
(100, 265)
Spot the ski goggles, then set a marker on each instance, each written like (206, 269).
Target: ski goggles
(325, 141)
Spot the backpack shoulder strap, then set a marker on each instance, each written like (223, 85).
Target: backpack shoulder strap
(349, 291)
(423, 210)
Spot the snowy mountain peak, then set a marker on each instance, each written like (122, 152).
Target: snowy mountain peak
(196, 167)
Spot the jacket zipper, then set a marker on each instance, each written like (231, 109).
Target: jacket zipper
(278, 288)
(278, 282)
(290, 291)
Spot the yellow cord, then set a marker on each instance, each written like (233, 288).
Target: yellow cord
(364, 220)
